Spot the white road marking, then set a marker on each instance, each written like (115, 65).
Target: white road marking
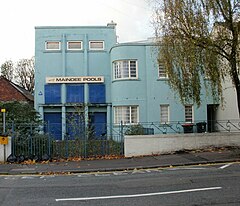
(9, 178)
(188, 168)
(102, 175)
(139, 195)
(27, 177)
(119, 173)
(225, 166)
(138, 172)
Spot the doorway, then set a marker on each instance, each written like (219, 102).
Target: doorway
(98, 125)
(211, 117)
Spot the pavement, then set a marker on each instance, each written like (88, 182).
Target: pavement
(183, 158)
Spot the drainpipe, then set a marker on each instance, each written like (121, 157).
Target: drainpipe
(63, 94)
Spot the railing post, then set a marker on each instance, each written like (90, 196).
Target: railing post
(66, 145)
(121, 136)
(13, 140)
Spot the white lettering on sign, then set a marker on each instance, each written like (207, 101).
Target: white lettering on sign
(86, 79)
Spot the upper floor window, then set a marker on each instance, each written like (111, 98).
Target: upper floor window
(125, 69)
(75, 93)
(74, 45)
(162, 72)
(164, 113)
(52, 93)
(126, 114)
(97, 93)
(189, 113)
(52, 45)
(96, 45)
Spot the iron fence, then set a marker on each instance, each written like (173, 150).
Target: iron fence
(33, 141)
(36, 142)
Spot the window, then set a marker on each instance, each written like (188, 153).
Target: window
(164, 113)
(97, 93)
(188, 113)
(125, 69)
(74, 45)
(75, 93)
(126, 114)
(96, 45)
(52, 93)
(162, 72)
(52, 45)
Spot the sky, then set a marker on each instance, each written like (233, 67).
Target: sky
(18, 19)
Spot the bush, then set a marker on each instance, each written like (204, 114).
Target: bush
(135, 130)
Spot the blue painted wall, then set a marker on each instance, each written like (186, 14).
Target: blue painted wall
(147, 92)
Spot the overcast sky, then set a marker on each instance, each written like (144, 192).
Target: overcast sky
(19, 17)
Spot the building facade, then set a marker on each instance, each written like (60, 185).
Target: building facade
(84, 76)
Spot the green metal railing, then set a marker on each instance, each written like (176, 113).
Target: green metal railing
(31, 141)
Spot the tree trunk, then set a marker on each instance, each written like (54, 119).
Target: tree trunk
(238, 98)
(236, 82)
(233, 62)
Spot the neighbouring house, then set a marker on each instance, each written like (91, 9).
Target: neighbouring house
(111, 83)
(10, 91)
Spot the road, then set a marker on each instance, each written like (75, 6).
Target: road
(193, 186)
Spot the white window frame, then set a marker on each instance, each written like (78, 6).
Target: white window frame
(189, 118)
(97, 49)
(125, 114)
(74, 49)
(57, 49)
(162, 120)
(119, 71)
(162, 72)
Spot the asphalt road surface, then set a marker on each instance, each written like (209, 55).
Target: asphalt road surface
(194, 185)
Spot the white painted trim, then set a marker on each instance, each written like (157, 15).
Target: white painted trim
(59, 46)
(129, 71)
(76, 49)
(97, 41)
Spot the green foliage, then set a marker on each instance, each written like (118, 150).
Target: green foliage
(198, 45)
(135, 130)
(20, 112)
(85, 148)
(31, 145)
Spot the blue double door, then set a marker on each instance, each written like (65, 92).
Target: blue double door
(98, 125)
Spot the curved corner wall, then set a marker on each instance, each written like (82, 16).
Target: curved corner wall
(129, 90)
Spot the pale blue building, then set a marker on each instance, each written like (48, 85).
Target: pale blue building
(84, 70)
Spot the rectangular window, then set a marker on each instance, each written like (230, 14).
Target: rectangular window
(164, 113)
(52, 45)
(189, 113)
(75, 93)
(162, 72)
(52, 93)
(96, 45)
(126, 114)
(97, 93)
(125, 69)
(74, 45)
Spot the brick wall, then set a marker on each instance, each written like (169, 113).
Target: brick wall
(9, 92)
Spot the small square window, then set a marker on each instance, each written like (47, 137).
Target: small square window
(96, 45)
(162, 72)
(74, 45)
(52, 45)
